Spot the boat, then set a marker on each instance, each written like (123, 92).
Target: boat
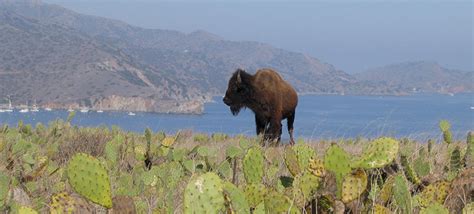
(70, 110)
(10, 107)
(100, 111)
(48, 109)
(472, 107)
(1, 110)
(84, 110)
(34, 108)
(24, 110)
(131, 114)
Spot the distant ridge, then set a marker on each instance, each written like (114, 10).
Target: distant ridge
(420, 76)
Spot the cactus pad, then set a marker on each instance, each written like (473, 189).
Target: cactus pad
(304, 153)
(65, 203)
(337, 161)
(277, 203)
(408, 170)
(379, 153)
(434, 208)
(4, 187)
(235, 199)
(354, 185)
(316, 166)
(379, 209)
(401, 194)
(204, 194)
(89, 178)
(255, 194)
(386, 192)
(435, 192)
(308, 184)
(291, 161)
(253, 164)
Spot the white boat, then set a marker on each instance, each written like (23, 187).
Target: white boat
(1, 110)
(472, 107)
(24, 110)
(84, 110)
(70, 110)
(48, 109)
(34, 109)
(10, 107)
(100, 111)
(131, 114)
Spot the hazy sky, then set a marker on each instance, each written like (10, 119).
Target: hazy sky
(352, 35)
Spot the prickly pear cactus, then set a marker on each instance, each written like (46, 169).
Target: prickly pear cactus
(65, 203)
(255, 194)
(379, 209)
(235, 199)
(169, 141)
(408, 170)
(337, 161)
(445, 128)
(304, 153)
(291, 161)
(379, 153)
(468, 209)
(204, 194)
(435, 192)
(455, 160)
(275, 202)
(401, 194)
(112, 150)
(354, 185)
(386, 192)
(26, 210)
(253, 164)
(469, 156)
(89, 178)
(308, 184)
(421, 165)
(434, 208)
(316, 166)
(4, 187)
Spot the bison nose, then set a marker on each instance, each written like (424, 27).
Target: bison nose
(226, 100)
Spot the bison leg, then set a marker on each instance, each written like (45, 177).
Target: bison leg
(260, 124)
(275, 130)
(290, 120)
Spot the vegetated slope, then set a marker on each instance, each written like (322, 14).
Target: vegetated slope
(200, 60)
(420, 76)
(59, 67)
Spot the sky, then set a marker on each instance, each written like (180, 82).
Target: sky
(352, 35)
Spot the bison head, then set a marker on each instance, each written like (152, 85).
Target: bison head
(237, 91)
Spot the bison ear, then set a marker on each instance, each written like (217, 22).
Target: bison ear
(239, 79)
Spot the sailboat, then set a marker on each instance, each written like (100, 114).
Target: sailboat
(10, 107)
(34, 108)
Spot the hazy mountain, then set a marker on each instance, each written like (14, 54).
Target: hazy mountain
(419, 76)
(60, 67)
(198, 59)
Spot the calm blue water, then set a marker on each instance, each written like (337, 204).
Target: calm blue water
(317, 117)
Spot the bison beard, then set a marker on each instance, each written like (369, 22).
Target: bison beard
(270, 97)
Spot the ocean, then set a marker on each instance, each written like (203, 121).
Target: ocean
(317, 117)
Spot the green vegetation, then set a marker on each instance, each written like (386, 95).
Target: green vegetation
(61, 168)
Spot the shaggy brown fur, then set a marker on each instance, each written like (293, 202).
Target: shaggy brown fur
(270, 97)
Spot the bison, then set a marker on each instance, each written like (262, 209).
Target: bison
(270, 97)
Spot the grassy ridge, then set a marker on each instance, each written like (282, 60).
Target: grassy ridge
(62, 168)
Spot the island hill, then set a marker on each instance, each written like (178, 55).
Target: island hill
(63, 59)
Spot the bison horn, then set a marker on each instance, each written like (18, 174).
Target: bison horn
(239, 80)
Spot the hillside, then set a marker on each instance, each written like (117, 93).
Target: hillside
(419, 76)
(200, 60)
(59, 67)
